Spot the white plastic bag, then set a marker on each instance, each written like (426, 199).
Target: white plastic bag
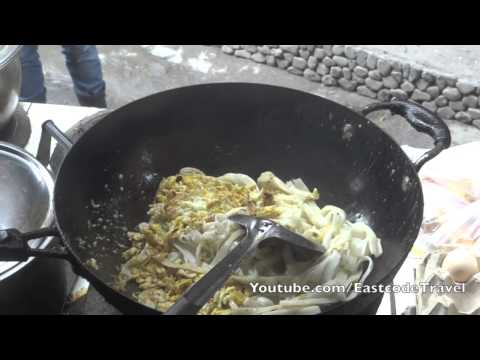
(451, 189)
(461, 228)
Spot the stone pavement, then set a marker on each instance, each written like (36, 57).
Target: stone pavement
(134, 71)
(379, 73)
(463, 61)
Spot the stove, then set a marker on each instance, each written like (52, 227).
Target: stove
(83, 299)
(90, 303)
(74, 121)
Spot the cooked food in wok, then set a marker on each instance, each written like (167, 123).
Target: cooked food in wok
(189, 232)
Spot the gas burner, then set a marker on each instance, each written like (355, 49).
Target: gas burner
(19, 129)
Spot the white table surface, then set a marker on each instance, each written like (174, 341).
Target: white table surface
(67, 116)
(63, 116)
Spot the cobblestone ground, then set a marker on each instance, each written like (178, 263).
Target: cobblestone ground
(134, 71)
(460, 60)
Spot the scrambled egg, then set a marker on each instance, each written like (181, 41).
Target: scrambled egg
(183, 203)
(185, 235)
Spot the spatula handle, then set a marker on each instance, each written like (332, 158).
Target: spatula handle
(204, 289)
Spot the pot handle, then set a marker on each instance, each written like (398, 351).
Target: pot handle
(49, 130)
(14, 245)
(422, 120)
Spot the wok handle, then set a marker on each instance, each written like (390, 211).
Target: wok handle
(14, 245)
(49, 130)
(422, 120)
(205, 288)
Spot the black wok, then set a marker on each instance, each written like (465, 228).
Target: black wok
(109, 177)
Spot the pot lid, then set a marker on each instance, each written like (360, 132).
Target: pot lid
(26, 197)
(7, 53)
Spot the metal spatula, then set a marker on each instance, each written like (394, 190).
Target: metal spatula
(256, 231)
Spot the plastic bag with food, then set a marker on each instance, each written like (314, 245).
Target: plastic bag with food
(461, 228)
(452, 259)
(451, 185)
(448, 246)
(439, 202)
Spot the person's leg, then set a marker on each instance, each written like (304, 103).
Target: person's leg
(33, 82)
(85, 69)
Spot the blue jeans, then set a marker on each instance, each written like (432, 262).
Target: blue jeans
(83, 65)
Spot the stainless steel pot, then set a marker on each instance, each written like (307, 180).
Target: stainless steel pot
(10, 81)
(37, 286)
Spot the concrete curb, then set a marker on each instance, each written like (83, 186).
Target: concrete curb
(370, 74)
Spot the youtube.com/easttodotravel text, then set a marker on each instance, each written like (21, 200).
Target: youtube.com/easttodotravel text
(294, 288)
